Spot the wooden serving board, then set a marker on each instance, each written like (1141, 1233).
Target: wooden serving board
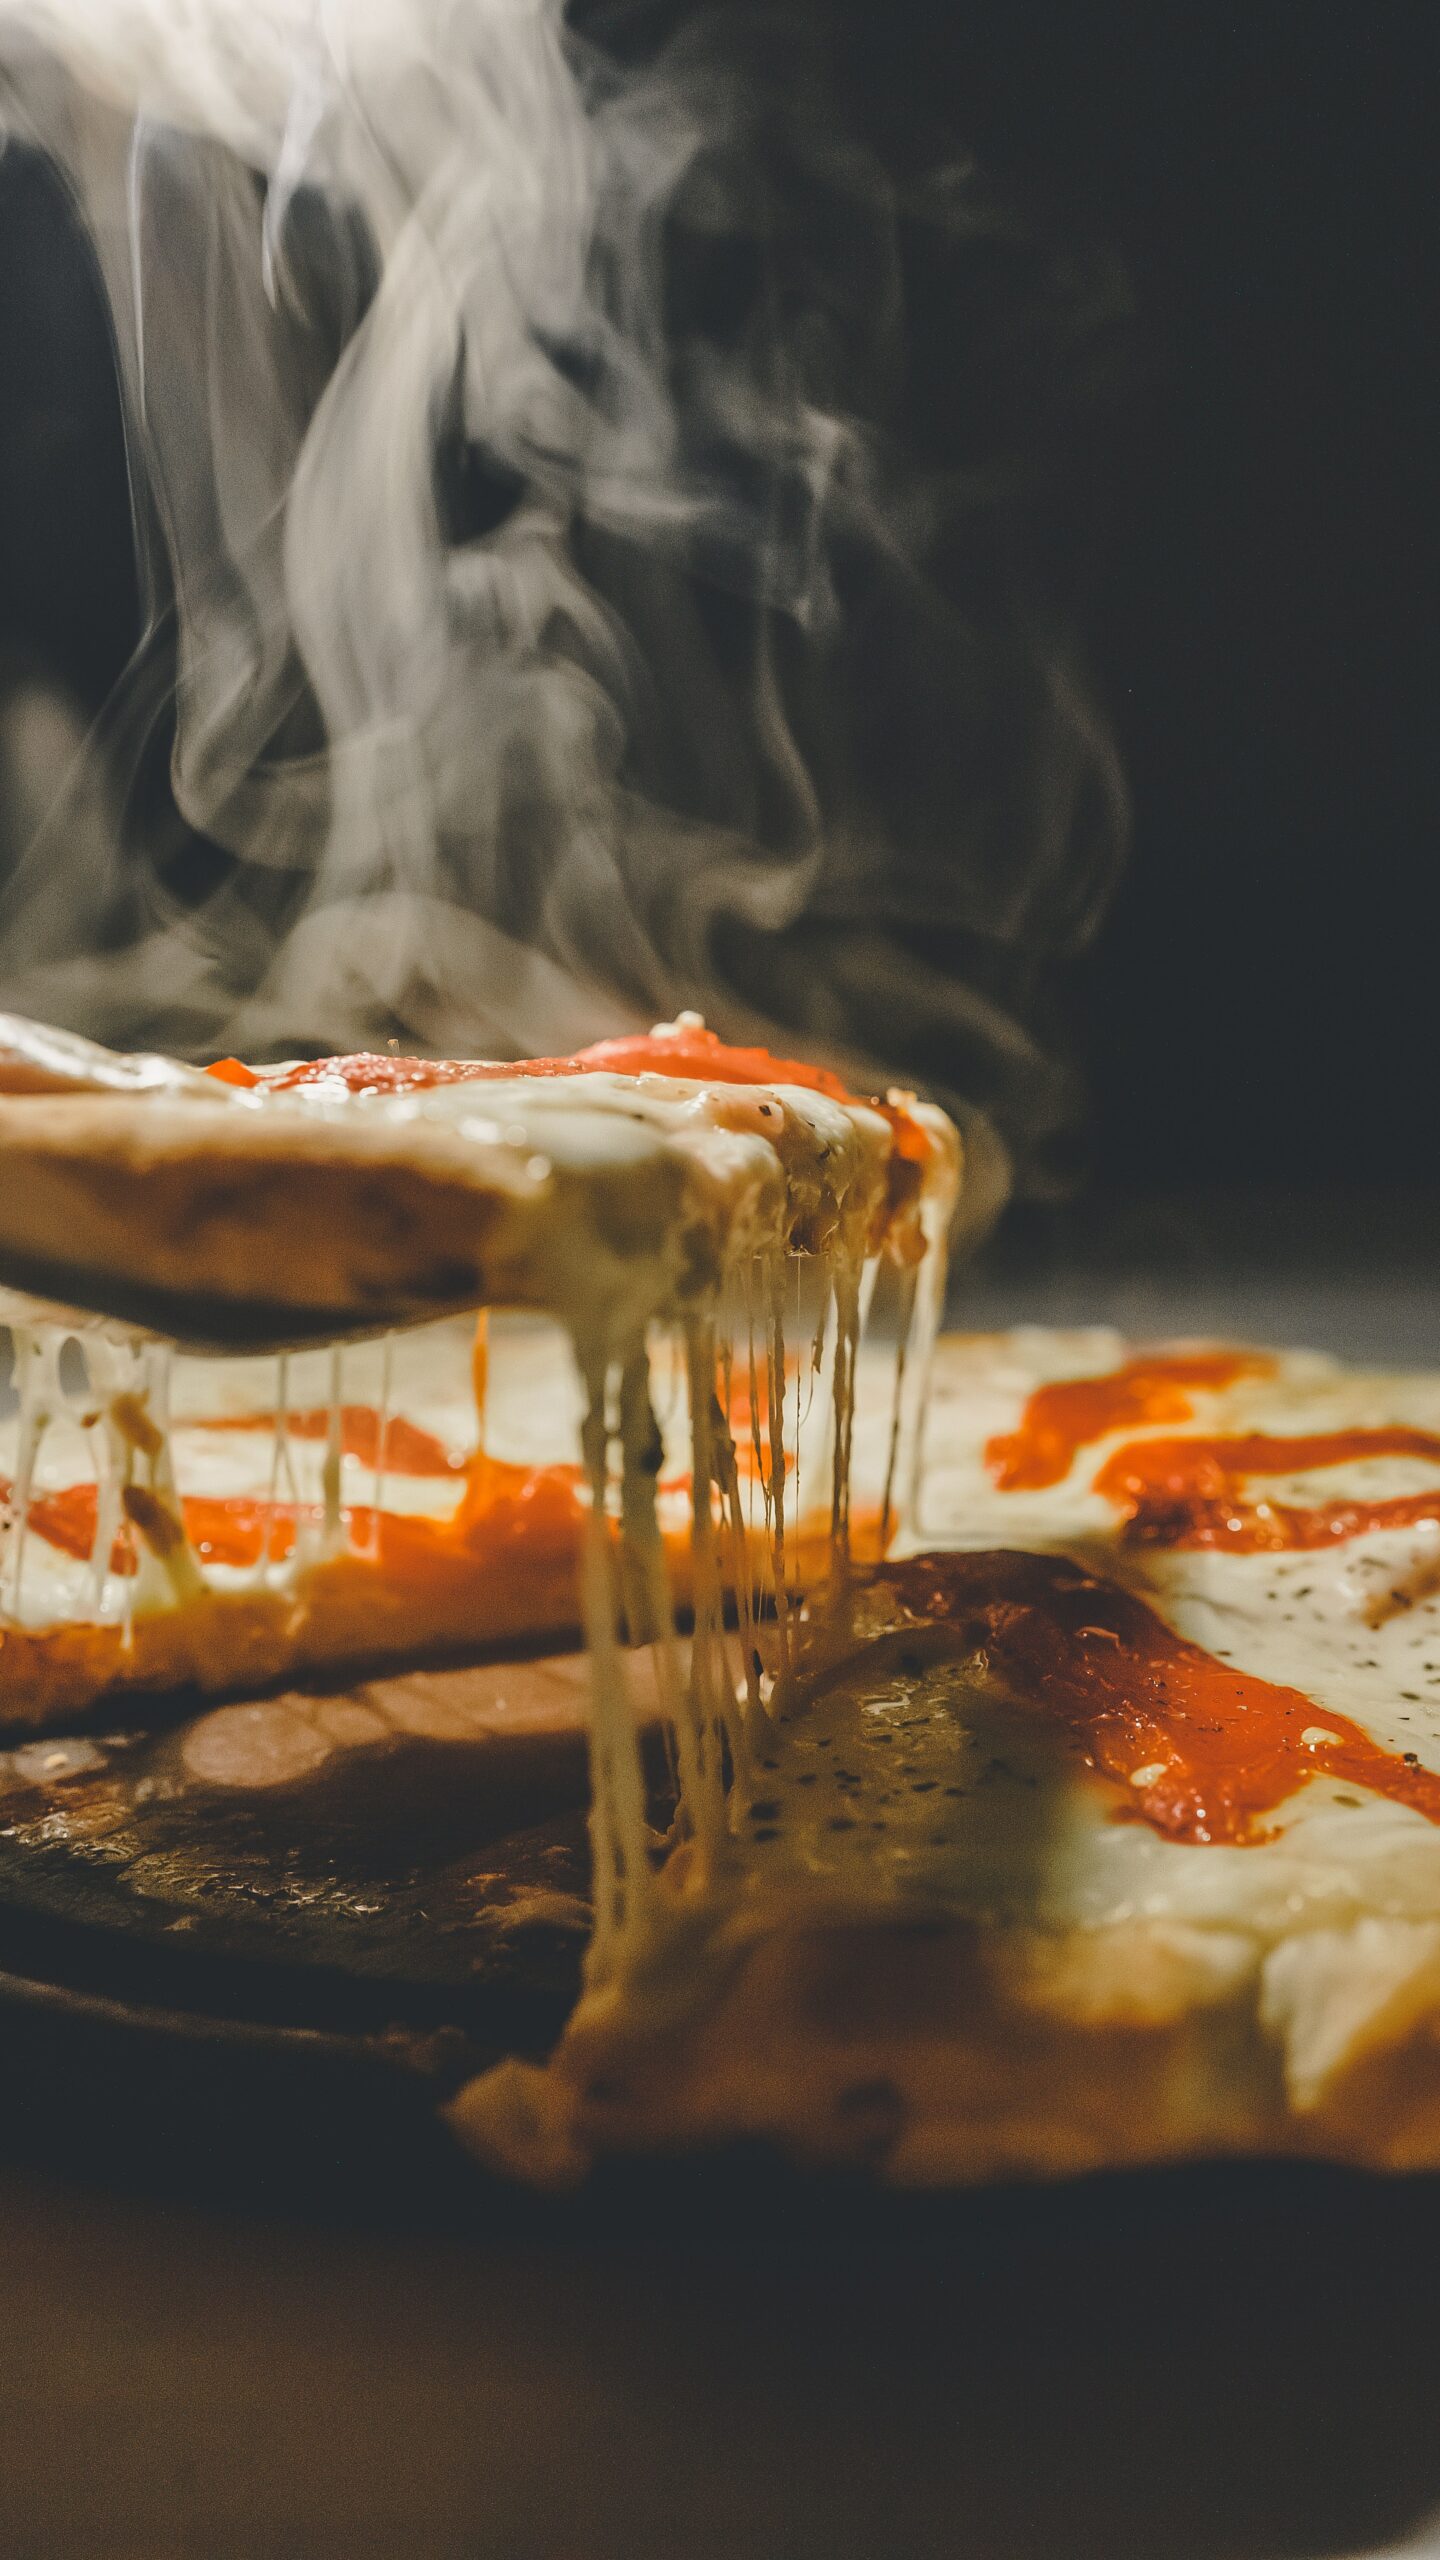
(288, 1927)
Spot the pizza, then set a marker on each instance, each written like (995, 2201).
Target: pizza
(1070, 1801)
(1097, 1824)
(331, 1471)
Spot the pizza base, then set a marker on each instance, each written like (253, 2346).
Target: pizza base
(223, 1227)
(269, 1216)
(1068, 1989)
(931, 2055)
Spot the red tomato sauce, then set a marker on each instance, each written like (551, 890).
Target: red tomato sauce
(686, 1050)
(1218, 1749)
(500, 1502)
(1193, 1492)
(397, 1446)
(1063, 1418)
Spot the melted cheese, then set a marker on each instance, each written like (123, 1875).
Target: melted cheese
(908, 1770)
(1355, 1628)
(625, 1202)
(619, 1204)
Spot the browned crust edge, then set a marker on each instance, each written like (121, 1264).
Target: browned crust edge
(104, 1196)
(933, 2055)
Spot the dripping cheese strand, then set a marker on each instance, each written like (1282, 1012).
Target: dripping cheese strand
(282, 1465)
(34, 1363)
(619, 1833)
(385, 1420)
(903, 1343)
(847, 1287)
(707, 1645)
(921, 1326)
(330, 1473)
(714, 1740)
(775, 1424)
(649, 1605)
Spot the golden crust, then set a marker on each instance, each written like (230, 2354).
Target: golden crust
(945, 2054)
(222, 1224)
(125, 1206)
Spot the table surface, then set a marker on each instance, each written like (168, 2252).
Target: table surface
(1146, 2369)
(1219, 2365)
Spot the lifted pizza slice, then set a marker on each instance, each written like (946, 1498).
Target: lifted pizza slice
(288, 1494)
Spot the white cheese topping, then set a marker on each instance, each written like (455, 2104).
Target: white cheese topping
(625, 1204)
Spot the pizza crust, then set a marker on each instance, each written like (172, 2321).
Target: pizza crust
(1037, 1982)
(218, 1224)
(936, 2054)
(220, 1215)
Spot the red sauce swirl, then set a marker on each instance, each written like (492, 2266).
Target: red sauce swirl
(685, 1050)
(1204, 1752)
(499, 1502)
(391, 1441)
(1193, 1492)
(1061, 1419)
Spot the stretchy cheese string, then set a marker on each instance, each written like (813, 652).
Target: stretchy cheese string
(713, 1716)
(904, 1333)
(385, 1420)
(618, 1830)
(330, 1475)
(34, 1359)
(649, 1607)
(775, 1423)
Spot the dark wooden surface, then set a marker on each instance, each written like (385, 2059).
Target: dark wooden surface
(1146, 2370)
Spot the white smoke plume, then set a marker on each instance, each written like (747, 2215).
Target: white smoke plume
(547, 617)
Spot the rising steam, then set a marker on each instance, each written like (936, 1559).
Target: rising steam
(569, 601)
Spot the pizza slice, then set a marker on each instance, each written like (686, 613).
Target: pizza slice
(1101, 1828)
(333, 1472)
(1092, 1819)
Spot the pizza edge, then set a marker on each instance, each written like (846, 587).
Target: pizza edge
(930, 2054)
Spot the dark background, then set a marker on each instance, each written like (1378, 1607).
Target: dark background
(1260, 1005)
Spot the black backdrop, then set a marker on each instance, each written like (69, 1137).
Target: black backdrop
(1262, 1000)
(1261, 1003)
